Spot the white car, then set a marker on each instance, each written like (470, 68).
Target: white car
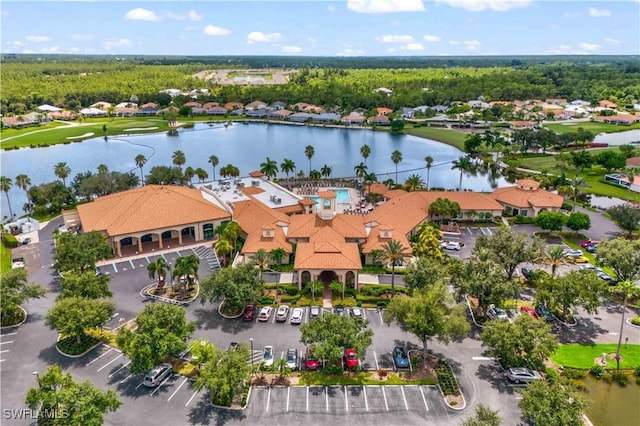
(282, 313)
(265, 313)
(572, 253)
(356, 312)
(267, 356)
(589, 267)
(292, 358)
(296, 316)
(450, 245)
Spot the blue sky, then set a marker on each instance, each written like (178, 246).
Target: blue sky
(322, 28)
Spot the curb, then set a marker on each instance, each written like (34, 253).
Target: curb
(227, 316)
(145, 293)
(23, 320)
(455, 408)
(473, 317)
(80, 355)
(628, 321)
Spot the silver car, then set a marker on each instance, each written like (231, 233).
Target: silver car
(157, 374)
(292, 358)
(282, 313)
(296, 315)
(522, 375)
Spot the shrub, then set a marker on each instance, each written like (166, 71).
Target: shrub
(383, 373)
(636, 371)
(332, 369)
(619, 377)
(573, 373)
(597, 371)
(289, 299)
(290, 290)
(635, 320)
(521, 220)
(382, 303)
(9, 240)
(268, 300)
(70, 346)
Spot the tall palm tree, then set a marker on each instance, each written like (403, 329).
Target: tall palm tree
(5, 186)
(573, 189)
(213, 160)
(361, 170)
(232, 231)
(158, 270)
(392, 252)
(396, 157)
(326, 171)
(223, 247)
(178, 159)
(187, 267)
(365, 151)
(141, 160)
(414, 183)
(554, 256)
(261, 259)
(287, 166)
(631, 172)
(202, 174)
(23, 182)
(269, 168)
(429, 160)
(464, 165)
(369, 179)
(309, 152)
(627, 289)
(62, 171)
(189, 173)
(315, 174)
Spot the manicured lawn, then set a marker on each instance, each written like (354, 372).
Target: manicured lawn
(583, 356)
(450, 137)
(310, 378)
(592, 126)
(5, 258)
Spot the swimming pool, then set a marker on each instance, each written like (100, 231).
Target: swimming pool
(342, 196)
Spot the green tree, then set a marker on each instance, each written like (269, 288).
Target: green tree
(202, 351)
(570, 291)
(396, 158)
(424, 272)
(5, 186)
(552, 403)
(483, 416)
(223, 374)
(326, 171)
(62, 171)
(611, 160)
(429, 160)
(86, 284)
(74, 403)
(214, 161)
(23, 182)
(337, 287)
(232, 232)
(223, 246)
(141, 160)
(429, 314)
(161, 330)
(313, 286)
(269, 168)
(553, 256)
(186, 270)
(361, 171)
(463, 164)
(472, 144)
(581, 160)
(309, 152)
(397, 126)
(509, 248)
(526, 342)
(277, 254)
(164, 175)
(626, 216)
(237, 286)
(201, 174)
(445, 208)
(391, 253)
(621, 255)
(261, 258)
(16, 290)
(552, 221)
(80, 252)
(71, 316)
(158, 270)
(365, 151)
(427, 243)
(189, 173)
(178, 158)
(627, 290)
(573, 189)
(578, 221)
(331, 334)
(287, 166)
(414, 183)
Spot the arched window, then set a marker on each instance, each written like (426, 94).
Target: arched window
(350, 279)
(305, 277)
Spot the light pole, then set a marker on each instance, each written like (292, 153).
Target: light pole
(251, 354)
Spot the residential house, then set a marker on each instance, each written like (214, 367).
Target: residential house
(521, 124)
(65, 115)
(476, 103)
(526, 198)
(279, 114)
(384, 111)
(150, 108)
(556, 101)
(300, 117)
(352, 119)
(256, 113)
(49, 108)
(233, 105)
(620, 119)
(256, 105)
(379, 120)
(384, 90)
(101, 105)
(171, 92)
(327, 117)
(279, 105)
(580, 102)
(92, 112)
(216, 110)
(237, 112)
(36, 117)
(193, 104)
(407, 113)
(607, 104)
(17, 122)
(209, 105)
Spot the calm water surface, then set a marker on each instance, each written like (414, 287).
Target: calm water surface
(612, 405)
(244, 146)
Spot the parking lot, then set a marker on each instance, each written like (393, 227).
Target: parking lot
(6, 343)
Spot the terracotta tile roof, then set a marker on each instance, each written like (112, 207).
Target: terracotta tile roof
(256, 173)
(384, 110)
(251, 190)
(147, 208)
(233, 105)
(208, 105)
(379, 188)
(633, 161)
(528, 183)
(522, 198)
(306, 201)
(395, 193)
(306, 226)
(327, 255)
(327, 194)
(253, 216)
(289, 210)
(375, 241)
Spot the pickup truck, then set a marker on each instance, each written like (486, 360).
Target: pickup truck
(17, 262)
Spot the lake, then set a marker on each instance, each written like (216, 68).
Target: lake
(244, 146)
(619, 138)
(611, 404)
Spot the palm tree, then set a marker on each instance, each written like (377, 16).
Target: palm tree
(269, 168)
(261, 259)
(309, 152)
(464, 165)
(365, 151)
(62, 171)
(287, 166)
(5, 186)
(627, 289)
(141, 160)
(158, 269)
(631, 172)
(178, 159)
(573, 189)
(429, 160)
(223, 247)
(187, 266)
(232, 231)
(396, 157)
(315, 174)
(326, 171)
(277, 254)
(361, 170)
(414, 183)
(189, 173)
(202, 174)
(555, 257)
(368, 179)
(213, 160)
(392, 252)
(23, 182)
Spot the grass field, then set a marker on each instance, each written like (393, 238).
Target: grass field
(592, 126)
(583, 356)
(5, 259)
(450, 137)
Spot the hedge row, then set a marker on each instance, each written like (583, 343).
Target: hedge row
(9, 240)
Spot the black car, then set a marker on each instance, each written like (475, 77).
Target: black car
(526, 272)
(591, 248)
(339, 310)
(544, 312)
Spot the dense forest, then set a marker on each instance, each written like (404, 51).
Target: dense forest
(76, 82)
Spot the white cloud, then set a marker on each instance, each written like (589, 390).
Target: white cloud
(430, 38)
(81, 37)
(589, 47)
(612, 41)
(348, 51)
(111, 43)
(16, 43)
(37, 38)
(480, 5)
(194, 16)
(212, 30)
(385, 6)
(291, 49)
(258, 37)
(454, 42)
(599, 13)
(580, 49)
(413, 47)
(74, 49)
(52, 49)
(331, 9)
(472, 44)
(140, 14)
(191, 15)
(312, 40)
(394, 38)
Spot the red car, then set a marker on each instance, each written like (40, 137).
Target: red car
(530, 311)
(350, 359)
(249, 313)
(310, 360)
(586, 244)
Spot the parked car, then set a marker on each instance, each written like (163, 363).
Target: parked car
(157, 375)
(527, 272)
(578, 259)
(356, 312)
(522, 375)
(572, 252)
(589, 243)
(450, 245)
(25, 241)
(249, 313)
(497, 313)
(544, 312)
(589, 267)
(233, 346)
(314, 312)
(400, 358)
(267, 356)
(310, 360)
(338, 310)
(350, 359)
(529, 310)
(282, 313)
(608, 278)
(292, 358)
(591, 249)
(98, 271)
(296, 316)
(265, 313)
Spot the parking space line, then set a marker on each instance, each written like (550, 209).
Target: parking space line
(147, 259)
(176, 391)
(8, 341)
(268, 400)
(9, 334)
(115, 268)
(380, 314)
(160, 385)
(288, 393)
(376, 359)
(178, 253)
(384, 394)
(1, 352)
(346, 399)
(326, 397)
(366, 402)
(406, 406)
(104, 366)
(141, 383)
(162, 256)
(2, 360)
(131, 263)
(307, 398)
(423, 398)
(124, 366)
(91, 362)
(192, 396)
(469, 231)
(126, 378)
